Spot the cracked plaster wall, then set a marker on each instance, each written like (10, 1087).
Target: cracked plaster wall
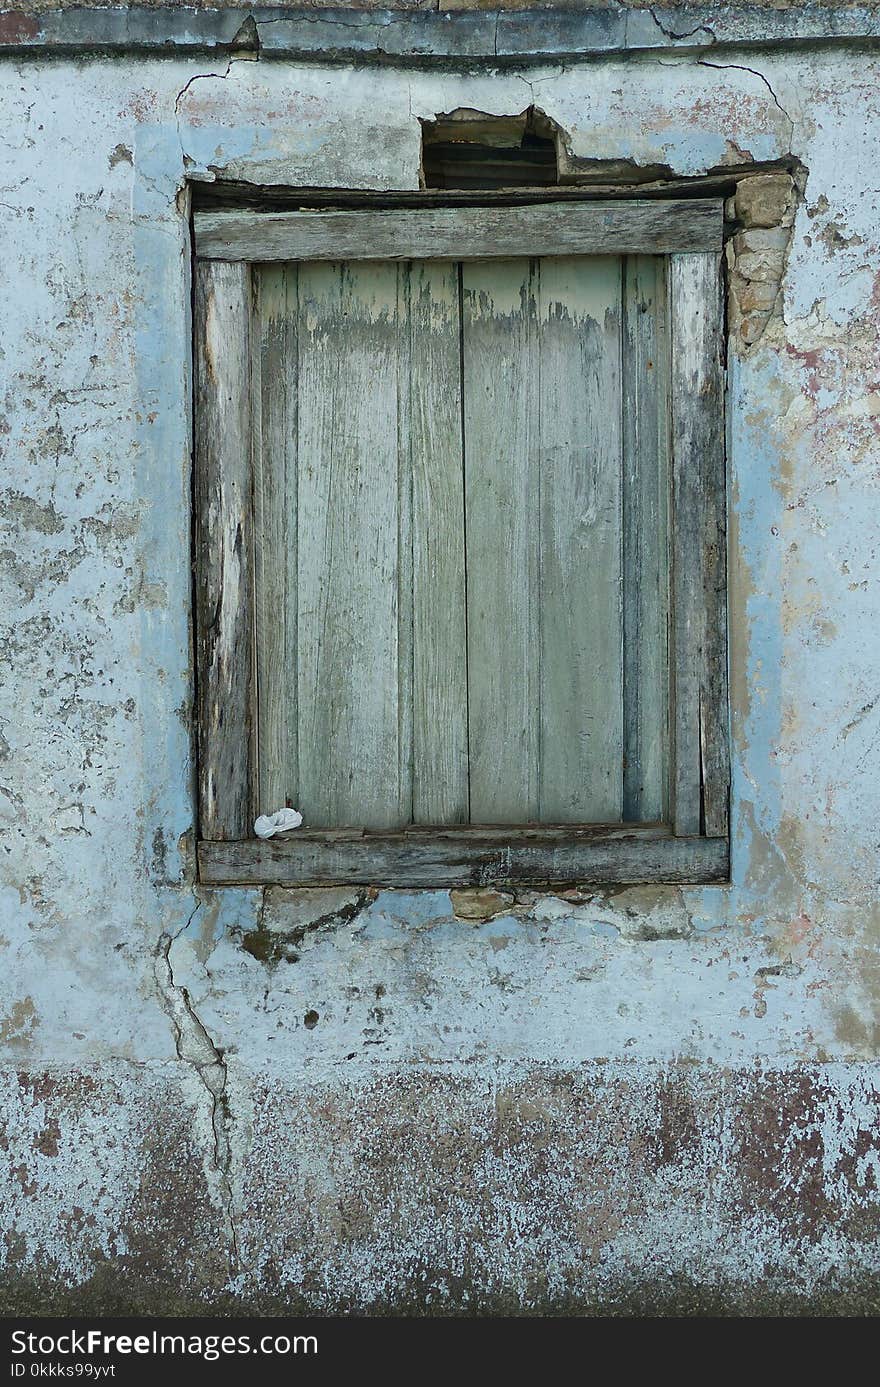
(43, 6)
(341, 1100)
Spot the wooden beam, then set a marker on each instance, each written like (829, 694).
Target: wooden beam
(645, 543)
(440, 858)
(224, 549)
(698, 607)
(454, 233)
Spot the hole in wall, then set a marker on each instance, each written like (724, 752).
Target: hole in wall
(470, 149)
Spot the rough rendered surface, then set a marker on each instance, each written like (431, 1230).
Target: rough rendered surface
(662, 1098)
(44, 6)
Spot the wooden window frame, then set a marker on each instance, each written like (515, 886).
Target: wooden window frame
(693, 846)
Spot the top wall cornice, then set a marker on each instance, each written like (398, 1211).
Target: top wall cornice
(463, 34)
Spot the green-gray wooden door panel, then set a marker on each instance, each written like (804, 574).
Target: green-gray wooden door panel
(446, 465)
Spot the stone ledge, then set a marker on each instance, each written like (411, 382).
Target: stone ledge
(428, 37)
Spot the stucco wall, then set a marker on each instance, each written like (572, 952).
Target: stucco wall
(657, 1096)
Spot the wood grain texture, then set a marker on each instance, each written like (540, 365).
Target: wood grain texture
(646, 691)
(348, 658)
(444, 858)
(714, 706)
(224, 550)
(587, 228)
(276, 392)
(696, 419)
(414, 401)
(404, 501)
(439, 616)
(458, 541)
(578, 601)
(500, 356)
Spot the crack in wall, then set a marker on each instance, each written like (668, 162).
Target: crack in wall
(741, 67)
(246, 44)
(688, 33)
(199, 77)
(196, 1048)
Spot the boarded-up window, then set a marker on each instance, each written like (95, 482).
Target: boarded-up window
(446, 457)
(446, 492)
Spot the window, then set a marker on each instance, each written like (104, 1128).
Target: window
(460, 563)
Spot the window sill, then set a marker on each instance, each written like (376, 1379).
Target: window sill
(619, 854)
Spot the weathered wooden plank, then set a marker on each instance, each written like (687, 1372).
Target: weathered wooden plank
(275, 547)
(579, 597)
(500, 835)
(439, 635)
(696, 415)
(224, 549)
(645, 540)
(714, 713)
(223, 196)
(587, 228)
(405, 651)
(347, 646)
(500, 385)
(448, 859)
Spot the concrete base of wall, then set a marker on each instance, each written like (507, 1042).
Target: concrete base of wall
(613, 1190)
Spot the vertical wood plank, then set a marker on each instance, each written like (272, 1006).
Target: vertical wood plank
(579, 598)
(697, 438)
(500, 373)
(405, 540)
(440, 714)
(224, 549)
(275, 517)
(714, 706)
(348, 450)
(646, 692)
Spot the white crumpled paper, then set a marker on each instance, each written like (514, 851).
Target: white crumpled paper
(269, 824)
